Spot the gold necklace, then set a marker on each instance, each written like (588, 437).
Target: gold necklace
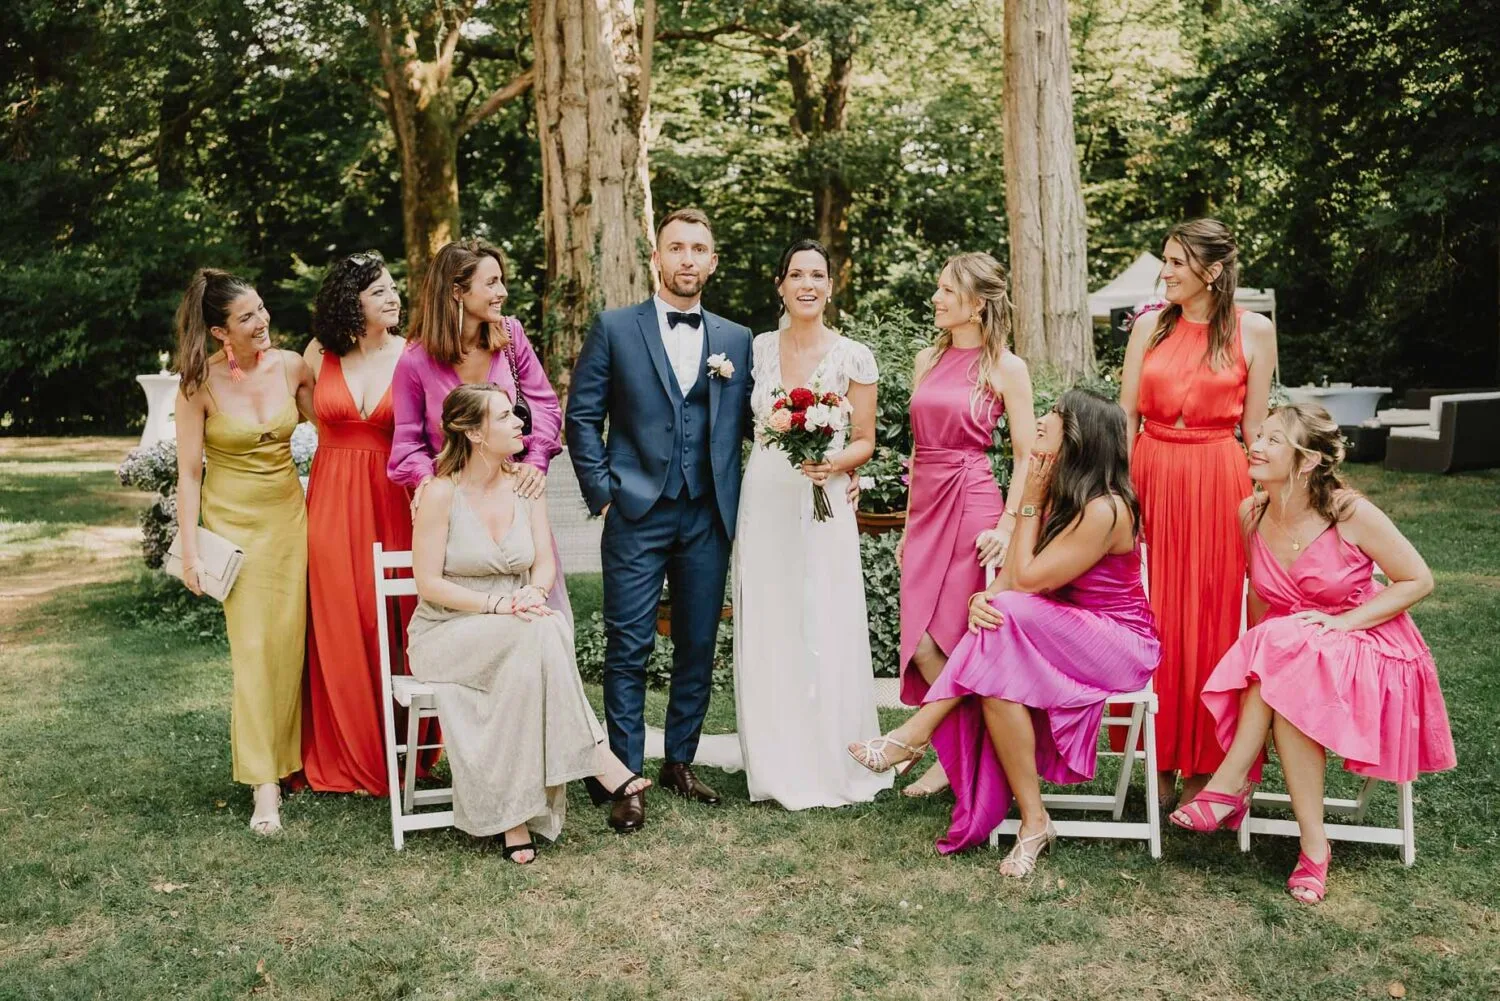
(1296, 544)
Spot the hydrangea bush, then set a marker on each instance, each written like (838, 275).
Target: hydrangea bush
(153, 468)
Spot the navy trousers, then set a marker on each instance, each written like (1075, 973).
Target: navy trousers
(680, 540)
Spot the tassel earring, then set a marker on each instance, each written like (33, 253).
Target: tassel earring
(235, 372)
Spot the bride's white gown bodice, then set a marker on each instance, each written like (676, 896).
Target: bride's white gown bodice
(803, 683)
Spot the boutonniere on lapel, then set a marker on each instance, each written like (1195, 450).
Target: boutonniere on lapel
(720, 367)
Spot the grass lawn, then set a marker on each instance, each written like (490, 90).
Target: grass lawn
(127, 869)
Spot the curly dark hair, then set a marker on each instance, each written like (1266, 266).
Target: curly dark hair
(338, 320)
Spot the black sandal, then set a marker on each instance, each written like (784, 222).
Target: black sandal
(601, 795)
(509, 852)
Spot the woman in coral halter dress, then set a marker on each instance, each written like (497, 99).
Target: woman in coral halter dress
(956, 519)
(1335, 662)
(1194, 371)
(351, 504)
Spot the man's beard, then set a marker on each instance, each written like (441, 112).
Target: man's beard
(684, 285)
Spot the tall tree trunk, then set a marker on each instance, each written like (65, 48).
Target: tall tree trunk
(420, 106)
(822, 113)
(596, 193)
(417, 65)
(1043, 190)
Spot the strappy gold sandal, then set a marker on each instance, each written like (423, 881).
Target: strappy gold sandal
(1021, 861)
(875, 755)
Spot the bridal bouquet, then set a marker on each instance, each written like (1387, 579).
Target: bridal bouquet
(803, 423)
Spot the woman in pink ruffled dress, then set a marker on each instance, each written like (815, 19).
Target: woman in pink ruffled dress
(1335, 662)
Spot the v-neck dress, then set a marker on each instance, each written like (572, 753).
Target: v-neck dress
(803, 687)
(351, 505)
(251, 496)
(516, 722)
(1371, 696)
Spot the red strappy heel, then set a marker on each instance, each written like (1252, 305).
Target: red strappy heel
(1310, 876)
(1196, 815)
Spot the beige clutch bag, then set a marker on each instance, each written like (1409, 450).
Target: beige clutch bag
(218, 562)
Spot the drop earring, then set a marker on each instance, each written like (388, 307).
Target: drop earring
(235, 372)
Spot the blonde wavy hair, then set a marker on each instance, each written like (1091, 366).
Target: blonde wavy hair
(981, 279)
(1313, 434)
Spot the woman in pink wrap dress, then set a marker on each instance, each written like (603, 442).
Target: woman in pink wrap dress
(956, 520)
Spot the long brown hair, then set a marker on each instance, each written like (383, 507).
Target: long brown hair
(465, 409)
(1314, 434)
(980, 278)
(437, 318)
(1206, 242)
(205, 304)
(1092, 461)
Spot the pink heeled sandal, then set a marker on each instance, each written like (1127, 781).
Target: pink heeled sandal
(1196, 815)
(1310, 876)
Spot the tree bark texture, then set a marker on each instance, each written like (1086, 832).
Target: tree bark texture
(596, 193)
(1043, 190)
(822, 112)
(418, 92)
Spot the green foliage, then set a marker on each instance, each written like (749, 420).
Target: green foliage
(882, 576)
(1351, 145)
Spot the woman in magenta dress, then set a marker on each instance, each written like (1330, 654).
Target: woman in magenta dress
(1335, 662)
(460, 335)
(1064, 626)
(956, 519)
(351, 504)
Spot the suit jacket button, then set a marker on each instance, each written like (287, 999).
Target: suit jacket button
(669, 427)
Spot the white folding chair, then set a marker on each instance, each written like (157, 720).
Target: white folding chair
(1143, 707)
(1403, 835)
(420, 705)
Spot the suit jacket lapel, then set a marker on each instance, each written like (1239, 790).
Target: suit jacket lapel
(715, 345)
(651, 334)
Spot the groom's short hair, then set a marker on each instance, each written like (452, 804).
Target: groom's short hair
(688, 214)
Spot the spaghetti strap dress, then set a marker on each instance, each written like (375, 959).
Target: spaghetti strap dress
(1371, 696)
(252, 497)
(1190, 481)
(351, 505)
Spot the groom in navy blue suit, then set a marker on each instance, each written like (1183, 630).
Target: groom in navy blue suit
(673, 382)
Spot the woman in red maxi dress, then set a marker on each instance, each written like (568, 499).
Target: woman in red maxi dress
(351, 504)
(1194, 373)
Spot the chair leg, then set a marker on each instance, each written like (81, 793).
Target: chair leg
(1408, 826)
(413, 732)
(1127, 759)
(1153, 804)
(1358, 816)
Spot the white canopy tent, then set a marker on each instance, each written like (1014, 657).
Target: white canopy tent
(1140, 283)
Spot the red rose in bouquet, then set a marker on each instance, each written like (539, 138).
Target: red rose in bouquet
(803, 424)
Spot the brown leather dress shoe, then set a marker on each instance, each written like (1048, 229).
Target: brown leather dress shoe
(628, 813)
(679, 778)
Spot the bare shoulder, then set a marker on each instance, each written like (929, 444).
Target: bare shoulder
(1013, 368)
(1145, 323)
(1105, 512)
(1257, 325)
(312, 356)
(439, 489)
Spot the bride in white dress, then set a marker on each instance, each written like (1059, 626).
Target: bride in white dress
(802, 679)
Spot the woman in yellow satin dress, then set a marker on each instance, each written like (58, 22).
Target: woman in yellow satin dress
(237, 408)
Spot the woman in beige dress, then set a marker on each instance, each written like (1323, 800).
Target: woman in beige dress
(516, 723)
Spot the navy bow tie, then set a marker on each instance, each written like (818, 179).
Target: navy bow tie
(691, 319)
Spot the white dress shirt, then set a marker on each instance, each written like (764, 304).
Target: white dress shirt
(684, 344)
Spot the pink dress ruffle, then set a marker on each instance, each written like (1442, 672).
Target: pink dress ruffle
(1371, 696)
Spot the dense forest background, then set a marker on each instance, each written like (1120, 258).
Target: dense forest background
(1353, 146)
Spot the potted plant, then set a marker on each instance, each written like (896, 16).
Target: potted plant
(882, 492)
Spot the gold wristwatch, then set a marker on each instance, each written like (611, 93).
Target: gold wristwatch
(1028, 510)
